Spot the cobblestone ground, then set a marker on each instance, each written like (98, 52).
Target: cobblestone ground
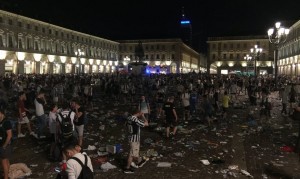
(235, 143)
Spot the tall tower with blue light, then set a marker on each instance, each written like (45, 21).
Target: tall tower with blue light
(185, 29)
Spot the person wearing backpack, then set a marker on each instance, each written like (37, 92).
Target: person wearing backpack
(66, 128)
(5, 142)
(79, 166)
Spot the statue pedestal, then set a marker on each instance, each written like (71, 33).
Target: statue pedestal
(138, 68)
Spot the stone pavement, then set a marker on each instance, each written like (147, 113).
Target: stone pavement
(234, 148)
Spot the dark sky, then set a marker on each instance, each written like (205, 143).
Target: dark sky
(145, 19)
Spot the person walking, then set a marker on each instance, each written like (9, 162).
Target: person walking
(23, 119)
(134, 123)
(225, 102)
(39, 103)
(171, 116)
(144, 107)
(185, 97)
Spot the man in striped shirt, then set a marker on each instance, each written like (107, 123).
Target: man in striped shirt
(134, 123)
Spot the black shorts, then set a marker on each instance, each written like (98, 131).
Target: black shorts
(187, 108)
(171, 123)
(225, 109)
(52, 138)
(6, 153)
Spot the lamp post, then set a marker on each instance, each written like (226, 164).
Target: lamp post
(277, 36)
(248, 58)
(255, 53)
(126, 61)
(168, 63)
(78, 54)
(20, 57)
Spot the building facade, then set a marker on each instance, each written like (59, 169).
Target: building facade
(32, 46)
(289, 53)
(163, 56)
(227, 55)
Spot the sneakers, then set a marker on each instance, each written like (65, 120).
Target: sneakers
(34, 135)
(128, 170)
(21, 135)
(134, 165)
(31, 133)
(143, 162)
(32, 118)
(42, 137)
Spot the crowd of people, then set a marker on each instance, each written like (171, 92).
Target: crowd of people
(158, 98)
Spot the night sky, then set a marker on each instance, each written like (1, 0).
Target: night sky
(146, 19)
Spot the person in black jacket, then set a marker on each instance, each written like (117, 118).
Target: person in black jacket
(5, 142)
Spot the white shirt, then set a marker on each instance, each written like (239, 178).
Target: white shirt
(74, 168)
(39, 108)
(52, 122)
(185, 99)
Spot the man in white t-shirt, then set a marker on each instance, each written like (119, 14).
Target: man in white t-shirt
(185, 97)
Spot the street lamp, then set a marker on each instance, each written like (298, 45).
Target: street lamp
(277, 36)
(248, 58)
(20, 57)
(78, 54)
(126, 61)
(255, 53)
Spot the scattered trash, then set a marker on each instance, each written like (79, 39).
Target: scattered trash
(197, 170)
(164, 164)
(91, 147)
(287, 149)
(178, 154)
(246, 173)
(217, 161)
(233, 167)
(19, 170)
(107, 166)
(33, 165)
(205, 162)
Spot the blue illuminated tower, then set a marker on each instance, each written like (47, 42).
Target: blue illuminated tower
(185, 29)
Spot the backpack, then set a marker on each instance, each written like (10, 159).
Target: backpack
(66, 125)
(86, 172)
